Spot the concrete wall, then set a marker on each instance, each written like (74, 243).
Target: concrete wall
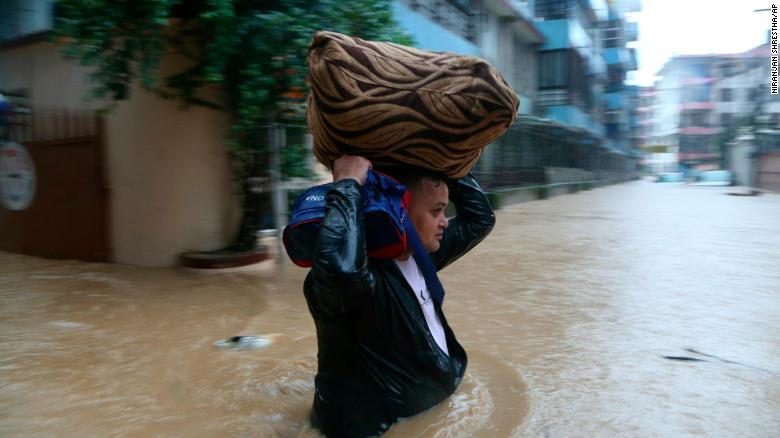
(526, 74)
(42, 72)
(740, 161)
(768, 175)
(503, 197)
(508, 52)
(667, 113)
(167, 168)
(661, 162)
(171, 181)
(574, 116)
(555, 175)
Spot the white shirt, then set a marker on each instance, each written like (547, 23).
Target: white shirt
(414, 277)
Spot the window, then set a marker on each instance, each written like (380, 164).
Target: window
(616, 76)
(580, 85)
(553, 69)
(613, 34)
(553, 9)
(612, 38)
(696, 94)
(462, 3)
(688, 144)
(725, 119)
(700, 70)
(455, 15)
(690, 119)
(726, 95)
(755, 93)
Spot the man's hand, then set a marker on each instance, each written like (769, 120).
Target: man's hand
(351, 166)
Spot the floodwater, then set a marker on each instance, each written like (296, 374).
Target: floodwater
(633, 310)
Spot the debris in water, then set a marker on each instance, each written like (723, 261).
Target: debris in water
(67, 324)
(748, 193)
(685, 358)
(245, 342)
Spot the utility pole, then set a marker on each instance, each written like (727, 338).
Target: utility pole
(277, 137)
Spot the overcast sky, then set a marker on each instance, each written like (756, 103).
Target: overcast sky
(684, 27)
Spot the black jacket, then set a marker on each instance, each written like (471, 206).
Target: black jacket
(377, 360)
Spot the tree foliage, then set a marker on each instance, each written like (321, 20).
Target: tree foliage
(254, 51)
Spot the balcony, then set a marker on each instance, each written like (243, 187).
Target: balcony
(570, 34)
(690, 106)
(686, 156)
(521, 7)
(634, 64)
(615, 101)
(699, 130)
(632, 32)
(692, 80)
(563, 34)
(574, 116)
(519, 14)
(564, 25)
(597, 66)
(430, 34)
(631, 5)
(618, 56)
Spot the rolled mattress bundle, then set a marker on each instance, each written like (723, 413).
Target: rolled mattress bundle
(399, 105)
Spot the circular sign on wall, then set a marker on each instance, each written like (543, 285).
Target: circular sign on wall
(17, 177)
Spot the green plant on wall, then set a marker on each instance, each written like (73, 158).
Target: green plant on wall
(251, 52)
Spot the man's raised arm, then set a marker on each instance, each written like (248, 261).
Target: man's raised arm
(340, 272)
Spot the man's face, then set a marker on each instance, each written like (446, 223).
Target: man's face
(426, 209)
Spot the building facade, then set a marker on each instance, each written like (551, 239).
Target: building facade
(702, 100)
(572, 72)
(566, 59)
(502, 32)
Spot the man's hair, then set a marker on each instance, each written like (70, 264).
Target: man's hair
(412, 176)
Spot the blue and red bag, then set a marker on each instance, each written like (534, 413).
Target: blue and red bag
(385, 206)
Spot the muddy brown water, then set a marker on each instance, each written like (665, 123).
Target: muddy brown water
(568, 311)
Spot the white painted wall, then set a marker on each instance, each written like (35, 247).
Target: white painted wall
(504, 48)
(740, 85)
(666, 109)
(171, 181)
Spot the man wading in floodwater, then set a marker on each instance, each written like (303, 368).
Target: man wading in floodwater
(385, 348)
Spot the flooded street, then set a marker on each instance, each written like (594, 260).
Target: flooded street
(633, 310)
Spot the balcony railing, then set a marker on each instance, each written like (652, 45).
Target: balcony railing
(690, 106)
(699, 130)
(454, 15)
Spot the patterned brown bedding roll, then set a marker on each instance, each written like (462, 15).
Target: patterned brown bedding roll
(400, 105)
